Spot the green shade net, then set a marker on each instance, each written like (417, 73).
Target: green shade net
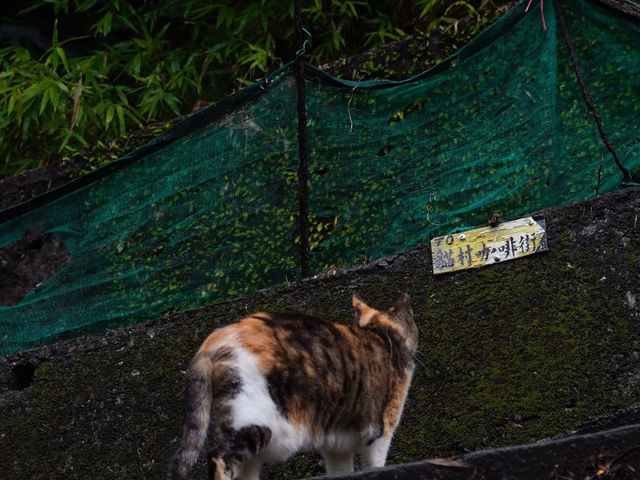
(209, 210)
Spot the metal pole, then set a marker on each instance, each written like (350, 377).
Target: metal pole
(303, 165)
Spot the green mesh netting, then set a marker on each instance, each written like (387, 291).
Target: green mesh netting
(208, 211)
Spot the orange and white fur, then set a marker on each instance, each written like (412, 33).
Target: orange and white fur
(278, 384)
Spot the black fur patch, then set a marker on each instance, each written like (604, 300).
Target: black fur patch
(236, 446)
(226, 380)
(278, 391)
(252, 438)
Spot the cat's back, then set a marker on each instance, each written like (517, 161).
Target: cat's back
(296, 351)
(300, 354)
(274, 338)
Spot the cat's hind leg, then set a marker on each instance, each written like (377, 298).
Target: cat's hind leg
(375, 454)
(338, 462)
(250, 469)
(234, 458)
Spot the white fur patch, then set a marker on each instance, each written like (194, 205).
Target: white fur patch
(254, 406)
(339, 441)
(375, 455)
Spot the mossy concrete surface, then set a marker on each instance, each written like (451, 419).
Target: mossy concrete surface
(509, 354)
(607, 455)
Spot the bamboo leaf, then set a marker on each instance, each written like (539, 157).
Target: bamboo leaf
(63, 58)
(54, 39)
(103, 27)
(111, 110)
(86, 5)
(44, 101)
(128, 23)
(12, 103)
(121, 120)
(54, 96)
(76, 104)
(34, 90)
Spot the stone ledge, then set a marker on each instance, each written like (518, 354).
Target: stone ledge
(606, 455)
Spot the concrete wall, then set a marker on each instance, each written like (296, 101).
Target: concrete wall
(509, 354)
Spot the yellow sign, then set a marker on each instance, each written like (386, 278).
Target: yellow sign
(487, 245)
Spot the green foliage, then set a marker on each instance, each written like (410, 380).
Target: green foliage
(149, 62)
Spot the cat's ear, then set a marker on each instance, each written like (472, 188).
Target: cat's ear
(363, 312)
(403, 305)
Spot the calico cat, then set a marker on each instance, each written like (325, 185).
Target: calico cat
(278, 384)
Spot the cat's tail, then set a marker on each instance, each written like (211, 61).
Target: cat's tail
(197, 411)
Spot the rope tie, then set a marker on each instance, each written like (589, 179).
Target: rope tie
(303, 50)
(544, 24)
